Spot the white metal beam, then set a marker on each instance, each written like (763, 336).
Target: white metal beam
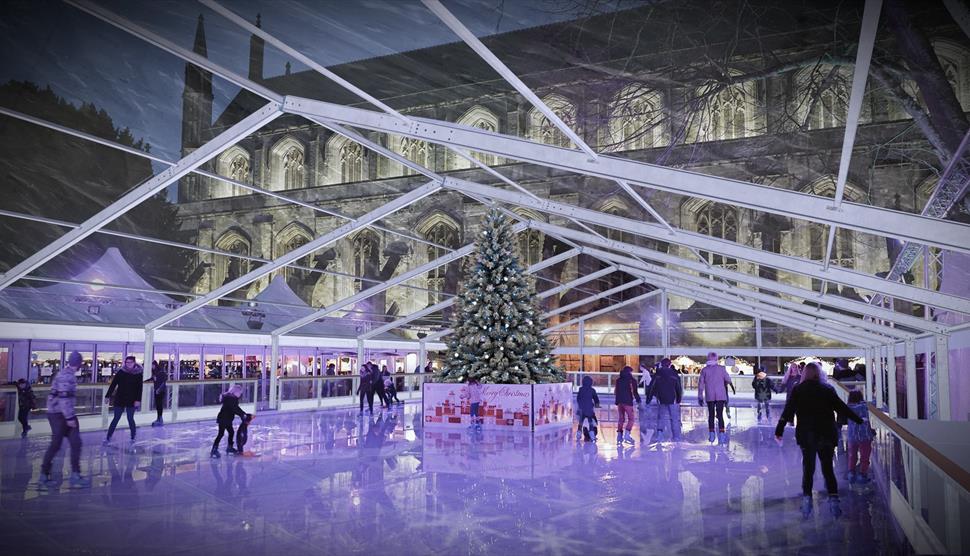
(602, 311)
(805, 267)
(694, 281)
(803, 206)
(492, 60)
(768, 312)
(757, 282)
(199, 171)
(778, 318)
(867, 39)
(384, 286)
(449, 302)
(314, 245)
(592, 298)
(142, 192)
(762, 283)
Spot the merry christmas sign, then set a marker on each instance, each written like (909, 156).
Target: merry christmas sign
(503, 406)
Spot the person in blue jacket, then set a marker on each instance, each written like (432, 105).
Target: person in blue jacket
(587, 400)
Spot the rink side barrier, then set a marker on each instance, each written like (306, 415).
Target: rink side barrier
(928, 493)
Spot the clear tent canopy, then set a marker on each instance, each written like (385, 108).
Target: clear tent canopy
(312, 172)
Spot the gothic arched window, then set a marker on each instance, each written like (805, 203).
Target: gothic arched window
(294, 236)
(351, 162)
(821, 98)
(442, 232)
(232, 267)
(636, 121)
(416, 151)
(366, 257)
(719, 221)
(530, 247)
(287, 164)
(540, 129)
(481, 118)
(731, 113)
(293, 168)
(233, 164)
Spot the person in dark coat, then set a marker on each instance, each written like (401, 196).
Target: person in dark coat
(587, 400)
(762, 392)
(625, 391)
(126, 389)
(366, 388)
(668, 390)
(227, 413)
(159, 382)
(26, 401)
(815, 406)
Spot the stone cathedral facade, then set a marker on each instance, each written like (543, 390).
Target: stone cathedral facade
(784, 129)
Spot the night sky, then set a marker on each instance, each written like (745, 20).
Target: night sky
(140, 86)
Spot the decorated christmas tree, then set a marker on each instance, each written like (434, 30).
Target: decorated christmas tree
(498, 336)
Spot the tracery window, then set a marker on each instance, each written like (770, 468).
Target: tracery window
(445, 235)
(293, 168)
(544, 131)
(351, 162)
(731, 113)
(366, 257)
(636, 120)
(416, 151)
(484, 119)
(720, 221)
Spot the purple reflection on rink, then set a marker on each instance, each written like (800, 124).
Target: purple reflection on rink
(333, 482)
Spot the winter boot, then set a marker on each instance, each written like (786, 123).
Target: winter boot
(711, 437)
(628, 439)
(45, 482)
(806, 506)
(834, 506)
(77, 481)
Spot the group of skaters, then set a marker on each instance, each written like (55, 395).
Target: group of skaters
(812, 405)
(377, 381)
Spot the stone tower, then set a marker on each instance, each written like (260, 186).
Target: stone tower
(196, 113)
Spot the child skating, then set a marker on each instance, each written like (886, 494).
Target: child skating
(473, 393)
(587, 400)
(230, 408)
(858, 440)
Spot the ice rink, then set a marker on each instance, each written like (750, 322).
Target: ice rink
(333, 482)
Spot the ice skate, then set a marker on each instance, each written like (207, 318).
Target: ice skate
(806, 507)
(711, 437)
(579, 433)
(592, 434)
(835, 507)
(628, 439)
(214, 454)
(77, 481)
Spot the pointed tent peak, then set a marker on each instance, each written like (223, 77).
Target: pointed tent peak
(111, 268)
(278, 291)
(199, 46)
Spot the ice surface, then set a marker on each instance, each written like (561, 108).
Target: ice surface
(333, 482)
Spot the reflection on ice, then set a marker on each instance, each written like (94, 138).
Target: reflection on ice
(384, 483)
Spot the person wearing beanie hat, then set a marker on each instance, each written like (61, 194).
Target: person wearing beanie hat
(63, 422)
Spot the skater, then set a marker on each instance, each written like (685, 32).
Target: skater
(230, 408)
(587, 400)
(63, 421)
(625, 391)
(762, 393)
(366, 389)
(389, 387)
(473, 393)
(159, 382)
(377, 383)
(646, 377)
(859, 440)
(791, 379)
(815, 407)
(328, 385)
(126, 389)
(669, 392)
(26, 401)
(712, 386)
(242, 434)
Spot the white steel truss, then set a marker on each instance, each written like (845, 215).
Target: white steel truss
(449, 302)
(864, 218)
(603, 311)
(342, 231)
(732, 249)
(142, 192)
